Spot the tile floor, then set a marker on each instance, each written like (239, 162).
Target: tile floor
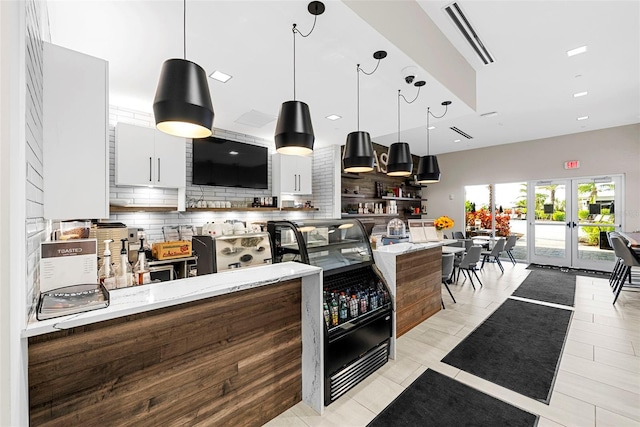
(598, 383)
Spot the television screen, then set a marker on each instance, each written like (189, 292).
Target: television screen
(227, 163)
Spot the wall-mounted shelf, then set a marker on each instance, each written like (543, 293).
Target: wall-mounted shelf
(250, 209)
(402, 198)
(350, 175)
(345, 215)
(353, 196)
(123, 209)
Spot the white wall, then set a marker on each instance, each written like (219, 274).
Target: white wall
(21, 131)
(600, 152)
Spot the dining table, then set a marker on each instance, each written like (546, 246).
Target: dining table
(633, 239)
(484, 241)
(452, 250)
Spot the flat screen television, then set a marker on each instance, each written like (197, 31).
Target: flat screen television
(227, 163)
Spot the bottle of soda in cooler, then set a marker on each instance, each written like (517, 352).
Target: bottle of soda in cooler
(373, 299)
(364, 302)
(353, 307)
(327, 314)
(344, 310)
(334, 310)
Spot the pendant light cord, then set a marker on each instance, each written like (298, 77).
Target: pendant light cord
(399, 114)
(407, 101)
(358, 97)
(429, 113)
(374, 70)
(358, 70)
(295, 31)
(184, 28)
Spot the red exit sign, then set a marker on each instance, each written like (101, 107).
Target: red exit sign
(572, 164)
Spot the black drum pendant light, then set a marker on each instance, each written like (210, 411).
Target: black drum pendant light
(294, 131)
(358, 151)
(182, 105)
(428, 169)
(399, 160)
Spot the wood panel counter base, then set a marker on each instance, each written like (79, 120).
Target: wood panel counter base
(418, 288)
(233, 359)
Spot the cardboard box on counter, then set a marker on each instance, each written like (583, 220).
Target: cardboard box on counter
(170, 250)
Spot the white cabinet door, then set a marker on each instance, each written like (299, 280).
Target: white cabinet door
(135, 155)
(146, 156)
(291, 174)
(75, 135)
(170, 161)
(305, 175)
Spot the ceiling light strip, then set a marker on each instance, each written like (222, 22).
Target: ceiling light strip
(460, 20)
(466, 135)
(577, 51)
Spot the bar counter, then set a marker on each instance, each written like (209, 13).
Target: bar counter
(413, 272)
(232, 348)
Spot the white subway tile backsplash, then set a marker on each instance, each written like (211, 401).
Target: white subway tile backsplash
(153, 222)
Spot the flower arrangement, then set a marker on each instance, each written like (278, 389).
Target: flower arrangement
(443, 222)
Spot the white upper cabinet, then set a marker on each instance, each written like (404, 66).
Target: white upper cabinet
(291, 174)
(75, 135)
(146, 156)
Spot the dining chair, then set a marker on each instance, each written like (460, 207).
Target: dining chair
(628, 261)
(459, 235)
(463, 243)
(618, 264)
(508, 247)
(447, 271)
(469, 263)
(494, 253)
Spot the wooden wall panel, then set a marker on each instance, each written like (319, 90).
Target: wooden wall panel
(367, 187)
(418, 288)
(229, 360)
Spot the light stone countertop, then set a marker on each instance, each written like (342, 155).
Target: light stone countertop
(405, 247)
(138, 299)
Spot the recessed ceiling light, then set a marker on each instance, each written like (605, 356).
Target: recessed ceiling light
(491, 114)
(577, 51)
(456, 140)
(579, 94)
(220, 76)
(233, 153)
(333, 117)
(583, 118)
(431, 127)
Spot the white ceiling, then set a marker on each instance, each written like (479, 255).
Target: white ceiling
(530, 85)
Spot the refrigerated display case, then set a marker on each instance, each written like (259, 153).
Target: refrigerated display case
(357, 304)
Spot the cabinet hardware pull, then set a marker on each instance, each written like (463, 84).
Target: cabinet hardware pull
(158, 169)
(150, 162)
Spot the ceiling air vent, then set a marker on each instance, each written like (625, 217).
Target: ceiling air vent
(460, 20)
(466, 135)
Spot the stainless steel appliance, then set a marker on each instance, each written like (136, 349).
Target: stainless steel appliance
(356, 341)
(231, 251)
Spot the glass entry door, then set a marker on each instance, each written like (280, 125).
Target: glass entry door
(595, 215)
(569, 219)
(549, 228)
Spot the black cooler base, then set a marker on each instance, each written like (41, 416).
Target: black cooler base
(345, 379)
(358, 347)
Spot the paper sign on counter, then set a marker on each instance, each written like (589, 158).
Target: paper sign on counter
(69, 262)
